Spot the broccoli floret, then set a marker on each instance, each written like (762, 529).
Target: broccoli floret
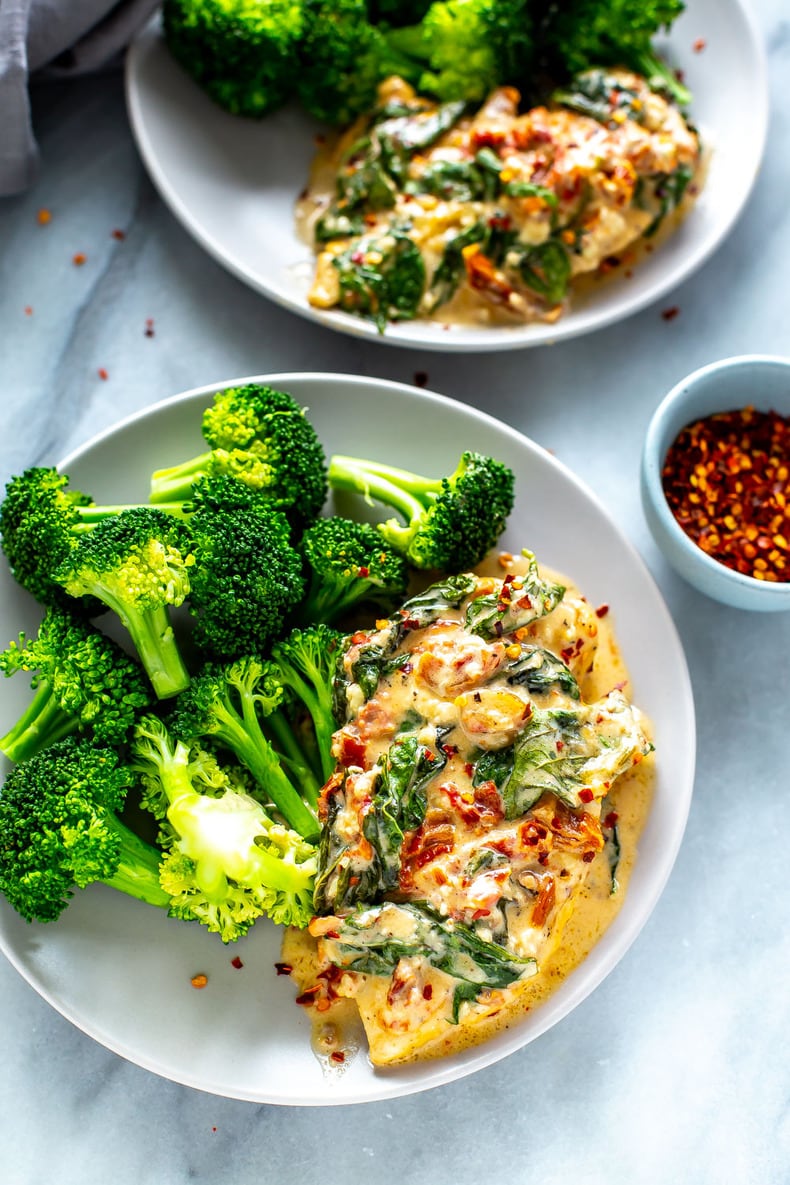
(138, 565)
(263, 438)
(83, 681)
(247, 576)
(307, 663)
(229, 705)
(41, 519)
(342, 60)
(59, 828)
(585, 33)
(227, 862)
(349, 564)
(241, 52)
(462, 49)
(451, 522)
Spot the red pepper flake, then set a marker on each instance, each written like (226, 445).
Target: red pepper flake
(421, 378)
(237, 963)
(283, 968)
(118, 234)
(309, 994)
(337, 1056)
(363, 572)
(611, 819)
(149, 327)
(450, 751)
(699, 45)
(427, 991)
(199, 981)
(601, 611)
(671, 313)
(44, 217)
(588, 857)
(79, 259)
(103, 374)
(586, 794)
(481, 913)
(213, 1129)
(28, 310)
(726, 479)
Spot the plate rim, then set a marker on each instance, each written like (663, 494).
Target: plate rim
(621, 934)
(501, 338)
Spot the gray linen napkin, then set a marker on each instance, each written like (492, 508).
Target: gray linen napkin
(59, 38)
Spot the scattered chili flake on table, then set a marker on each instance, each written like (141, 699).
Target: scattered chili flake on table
(670, 314)
(103, 374)
(236, 962)
(28, 310)
(699, 45)
(43, 217)
(79, 259)
(149, 327)
(726, 479)
(118, 234)
(199, 981)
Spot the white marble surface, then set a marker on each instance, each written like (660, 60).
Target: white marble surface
(676, 1069)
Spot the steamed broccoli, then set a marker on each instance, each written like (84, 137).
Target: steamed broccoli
(263, 438)
(59, 828)
(41, 519)
(349, 564)
(226, 861)
(138, 564)
(242, 52)
(83, 681)
(342, 58)
(581, 34)
(247, 576)
(451, 522)
(306, 662)
(229, 705)
(462, 49)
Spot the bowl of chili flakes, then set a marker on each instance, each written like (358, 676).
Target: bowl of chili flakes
(715, 480)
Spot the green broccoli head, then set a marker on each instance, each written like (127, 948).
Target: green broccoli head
(246, 579)
(230, 705)
(348, 564)
(462, 49)
(83, 682)
(39, 520)
(137, 563)
(341, 60)
(586, 33)
(262, 438)
(306, 662)
(59, 829)
(227, 861)
(451, 522)
(241, 52)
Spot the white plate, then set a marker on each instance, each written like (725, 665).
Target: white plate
(121, 970)
(233, 182)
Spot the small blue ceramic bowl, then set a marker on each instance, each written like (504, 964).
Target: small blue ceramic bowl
(758, 380)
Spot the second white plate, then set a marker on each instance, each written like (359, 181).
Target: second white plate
(233, 182)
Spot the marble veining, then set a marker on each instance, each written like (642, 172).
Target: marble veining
(675, 1069)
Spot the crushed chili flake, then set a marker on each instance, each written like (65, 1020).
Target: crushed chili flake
(338, 1056)
(699, 45)
(199, 981)
(237, 963)
(103, 374)
(671, 313)
(28, 310)
(421, 378)
(586, 794)
(79, 258)
(601, 611)
(43, 217)
(611, 819)
(149, 327)
(726, 479)
(427, 992)
(283, 968)
(118, 234)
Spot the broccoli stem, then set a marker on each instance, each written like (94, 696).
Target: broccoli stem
(138, 869)
(43, 723)
(660, 77)
(244, 736)
(175, 484)
(292, 754)
(394, 487)
(155, 641)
